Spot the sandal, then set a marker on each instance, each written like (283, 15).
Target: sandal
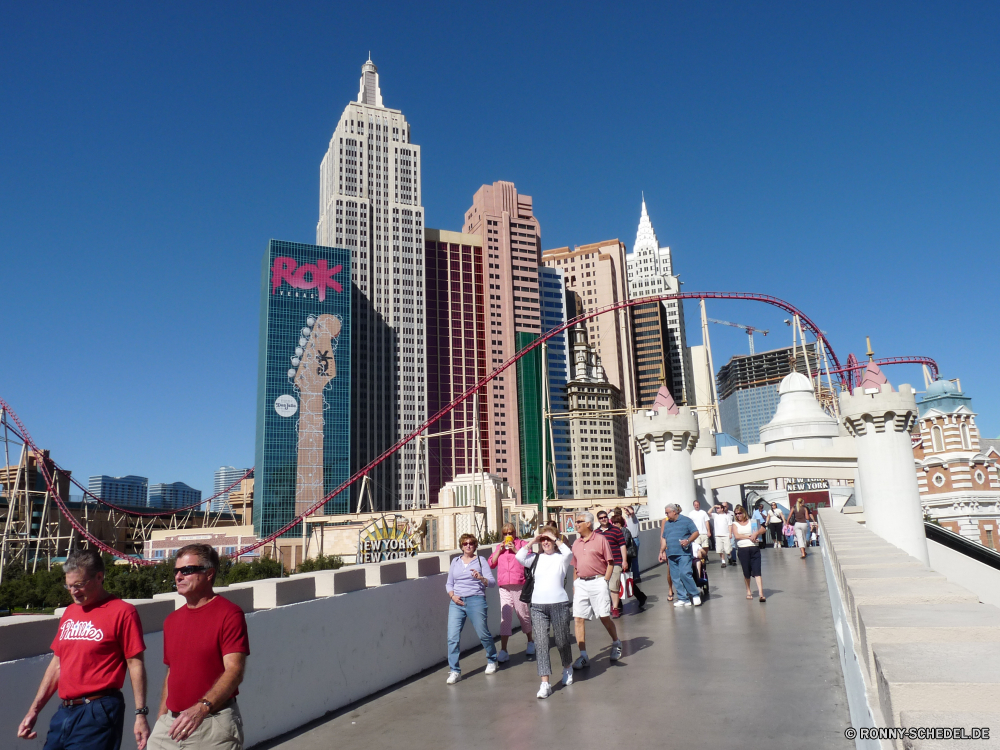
(762, 600)
(749, 596)
(670, 597)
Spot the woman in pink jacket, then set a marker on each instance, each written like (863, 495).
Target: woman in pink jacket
(510, 579)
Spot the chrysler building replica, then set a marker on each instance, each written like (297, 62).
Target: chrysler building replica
(650, 272)
(369, 203)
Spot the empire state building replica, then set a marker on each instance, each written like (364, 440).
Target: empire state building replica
(369, 203)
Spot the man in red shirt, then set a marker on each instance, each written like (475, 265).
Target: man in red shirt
(205, 648)
(99, 637)
(593, 564)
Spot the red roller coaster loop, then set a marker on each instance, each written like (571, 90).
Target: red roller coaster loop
(768, 299)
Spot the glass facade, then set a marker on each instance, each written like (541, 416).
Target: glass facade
(529, 415)
(122, 491)
(173, 495)
(744, 412)
(553, 313)
(303, 447)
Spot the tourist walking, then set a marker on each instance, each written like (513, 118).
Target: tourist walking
(510, 580)
(701, 520)
(550, 605)
(800, 518)
(593, 564)
(746, 531)
(775, 522)
(632, 524)
(98, 640)
(677, 534)
(468, 579)
(759, 517)
(205, 648)
(721, 527)
(616, 540)
(632, 550)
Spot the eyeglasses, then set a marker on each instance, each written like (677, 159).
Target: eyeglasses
(77, 586)
(189, 570)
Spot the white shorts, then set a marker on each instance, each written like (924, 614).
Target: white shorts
(724, 544)
(591, 599)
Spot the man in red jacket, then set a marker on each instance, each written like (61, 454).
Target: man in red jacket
(205, 648)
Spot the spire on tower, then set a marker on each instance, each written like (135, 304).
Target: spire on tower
(370, 92)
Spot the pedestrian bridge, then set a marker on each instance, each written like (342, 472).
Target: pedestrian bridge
(857, 634)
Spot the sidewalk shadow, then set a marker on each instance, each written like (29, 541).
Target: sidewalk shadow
(601, 663)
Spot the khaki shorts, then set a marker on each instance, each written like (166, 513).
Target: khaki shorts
(591, 599)
(219, 731)
(616, 579)
(724, 544)
(702, 541)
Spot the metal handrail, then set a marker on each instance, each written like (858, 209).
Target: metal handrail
(959, 543)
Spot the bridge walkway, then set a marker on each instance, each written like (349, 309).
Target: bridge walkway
(730, 673)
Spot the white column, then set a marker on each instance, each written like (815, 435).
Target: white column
(666, 441)
(880, 423)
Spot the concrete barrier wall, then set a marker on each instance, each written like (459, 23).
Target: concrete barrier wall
(308, 657)
(981, 579)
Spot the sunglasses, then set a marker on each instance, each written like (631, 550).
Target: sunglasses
(468, 544)
(602, 518)
(189, 570)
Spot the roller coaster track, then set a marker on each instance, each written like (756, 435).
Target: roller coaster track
(46, 467)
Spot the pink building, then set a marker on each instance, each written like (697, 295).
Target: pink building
(512, 239)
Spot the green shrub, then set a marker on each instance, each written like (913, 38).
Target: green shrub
(239, 572)
(320, 562)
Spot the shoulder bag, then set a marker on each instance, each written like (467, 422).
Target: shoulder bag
(528, 587)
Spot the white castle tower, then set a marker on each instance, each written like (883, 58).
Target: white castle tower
(667, 434)
(369, 202)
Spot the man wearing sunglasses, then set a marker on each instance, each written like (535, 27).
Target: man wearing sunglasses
(205, 648)
(99, 637)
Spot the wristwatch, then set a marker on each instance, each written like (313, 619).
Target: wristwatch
(207, 703)
(144, 711)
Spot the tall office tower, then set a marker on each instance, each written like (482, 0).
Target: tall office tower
(456, 357)
(558, 451)
(650, 272)
(600, 441)
(224, 477)
(132, 491)
(510, 233)
(748, 388)
(595, 277)
(370, 204)
(173, 495)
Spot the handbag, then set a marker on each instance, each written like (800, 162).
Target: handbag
(631, 548)
(625, 588)
(528, 587)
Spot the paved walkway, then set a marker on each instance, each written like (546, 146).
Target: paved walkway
(731, 673)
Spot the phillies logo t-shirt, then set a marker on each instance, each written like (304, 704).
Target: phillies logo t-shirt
(92, 644)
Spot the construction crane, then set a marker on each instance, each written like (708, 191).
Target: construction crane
(750, 330)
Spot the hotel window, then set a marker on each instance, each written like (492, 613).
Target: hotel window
(937, 441)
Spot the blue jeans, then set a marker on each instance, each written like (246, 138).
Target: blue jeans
(475, 611)
(680, 572)
(90, 726)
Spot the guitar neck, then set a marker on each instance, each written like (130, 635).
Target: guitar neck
(309, 474)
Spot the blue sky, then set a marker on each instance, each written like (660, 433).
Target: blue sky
(844, 157)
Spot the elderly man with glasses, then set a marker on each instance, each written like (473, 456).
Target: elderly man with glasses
(677, 534)
(593, 566)
(205, 648)
(99, 637)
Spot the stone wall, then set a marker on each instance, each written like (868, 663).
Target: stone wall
(319, 641)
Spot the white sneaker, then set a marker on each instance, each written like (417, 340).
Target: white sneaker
(454, 677)
(616, 651)
(491, 667)
(544, 691)
(697, 601)
(581, 662)
(567, 676)
(686, 604)
(679, 603)
(530, 651)
(502, 656)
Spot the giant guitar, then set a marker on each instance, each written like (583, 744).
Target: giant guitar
(314, 369)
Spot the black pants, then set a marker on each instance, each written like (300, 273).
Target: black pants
(749, 560)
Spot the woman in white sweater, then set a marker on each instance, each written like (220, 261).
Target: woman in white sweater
(550, 604)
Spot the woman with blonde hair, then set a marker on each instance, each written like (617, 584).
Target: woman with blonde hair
(550, 604)
(800, 518)
(510, 579)
(468, 579)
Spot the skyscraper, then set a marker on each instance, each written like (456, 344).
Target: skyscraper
(224, 477)
(661, 345)
(129, 491)
(553, 311)
(173, 495)
(504, 220)
(370, 204)
(456, 356)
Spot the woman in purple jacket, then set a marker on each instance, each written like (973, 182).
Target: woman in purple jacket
(510, 579)
(468, 578)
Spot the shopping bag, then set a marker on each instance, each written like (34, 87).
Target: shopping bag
(625, 586)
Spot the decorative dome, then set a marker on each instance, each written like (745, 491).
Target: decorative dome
(799, 420)
(942, 388)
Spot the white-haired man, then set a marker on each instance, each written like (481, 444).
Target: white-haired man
(593, 565)
(99, 637)
(677, 534)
